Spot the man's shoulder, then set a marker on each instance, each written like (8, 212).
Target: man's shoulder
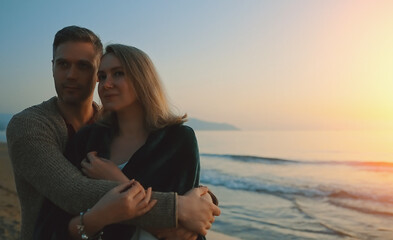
(45, 109)
(43, 113)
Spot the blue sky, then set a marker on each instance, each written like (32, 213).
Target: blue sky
(290, 65)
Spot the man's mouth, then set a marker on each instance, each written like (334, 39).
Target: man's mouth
(71, 87)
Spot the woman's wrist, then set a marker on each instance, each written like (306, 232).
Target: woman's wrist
(87, 224)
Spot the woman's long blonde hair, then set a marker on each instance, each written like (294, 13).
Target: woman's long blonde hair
(141, 71)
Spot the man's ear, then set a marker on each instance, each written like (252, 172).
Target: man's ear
(53, 66)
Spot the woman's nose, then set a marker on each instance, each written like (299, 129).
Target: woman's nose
(108, 82)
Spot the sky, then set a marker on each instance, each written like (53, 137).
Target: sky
(259, 65)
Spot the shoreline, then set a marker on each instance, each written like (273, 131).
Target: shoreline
(9, 203)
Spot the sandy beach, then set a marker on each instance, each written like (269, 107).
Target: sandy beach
(9, 203)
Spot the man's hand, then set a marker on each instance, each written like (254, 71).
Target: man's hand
(195, 212)
(101, 168)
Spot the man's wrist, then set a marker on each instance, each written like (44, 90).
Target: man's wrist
(180, 216)
(177, 212)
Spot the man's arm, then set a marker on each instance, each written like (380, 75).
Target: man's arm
(36, 155)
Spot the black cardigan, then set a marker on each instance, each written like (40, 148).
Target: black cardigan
(167, 162)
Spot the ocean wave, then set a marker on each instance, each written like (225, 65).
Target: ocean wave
(248, 158)
(338, 195)
(358, 196)
(217, 178)
(366, 165)
(364, 206)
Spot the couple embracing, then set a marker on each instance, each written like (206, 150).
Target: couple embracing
(127, 170)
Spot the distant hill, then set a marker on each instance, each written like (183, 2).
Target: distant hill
(197, 124)
(4, 119)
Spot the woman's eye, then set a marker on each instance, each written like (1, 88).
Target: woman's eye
(101, 77)
(118, 74)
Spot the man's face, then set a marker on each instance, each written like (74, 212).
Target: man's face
(75, 72)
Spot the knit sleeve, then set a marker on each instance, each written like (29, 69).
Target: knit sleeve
(36, 155)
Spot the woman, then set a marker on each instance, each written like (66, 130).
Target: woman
(139, 134)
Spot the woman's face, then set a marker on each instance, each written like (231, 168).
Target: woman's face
(114, 87)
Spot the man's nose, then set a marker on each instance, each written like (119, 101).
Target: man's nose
(72, 72)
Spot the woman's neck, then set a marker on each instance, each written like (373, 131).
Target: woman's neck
(131, 122)
(132, 134)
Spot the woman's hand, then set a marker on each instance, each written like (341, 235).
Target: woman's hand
(124, 202)
(101, 168)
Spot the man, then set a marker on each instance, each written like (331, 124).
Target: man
(38, 135)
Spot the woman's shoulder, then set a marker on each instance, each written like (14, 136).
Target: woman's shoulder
(180, 130)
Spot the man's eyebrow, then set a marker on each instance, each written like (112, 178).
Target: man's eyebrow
(85, 62)
(60, 59)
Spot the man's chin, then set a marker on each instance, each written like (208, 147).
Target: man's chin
(73, 100)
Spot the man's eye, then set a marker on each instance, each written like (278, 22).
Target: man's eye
(84, 66)
(62, 64)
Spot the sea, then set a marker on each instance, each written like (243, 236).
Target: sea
(299, 184)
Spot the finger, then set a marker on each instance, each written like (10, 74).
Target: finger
(135, 189)
(203, 232)
(208, 225)
(93, 153)
(123, 187)
(91, 156)
(148, 195)
(85, 164)
(146, 199)
(194, 237)
(139, 199)
(216, 210)
(84, 171)
(202, 190)
(149, 206)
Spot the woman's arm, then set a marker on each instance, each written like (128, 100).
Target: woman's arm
(126, 201)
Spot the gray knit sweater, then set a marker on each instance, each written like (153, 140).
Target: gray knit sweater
(36, 140)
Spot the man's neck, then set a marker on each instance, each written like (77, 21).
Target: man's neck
(76, 114)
